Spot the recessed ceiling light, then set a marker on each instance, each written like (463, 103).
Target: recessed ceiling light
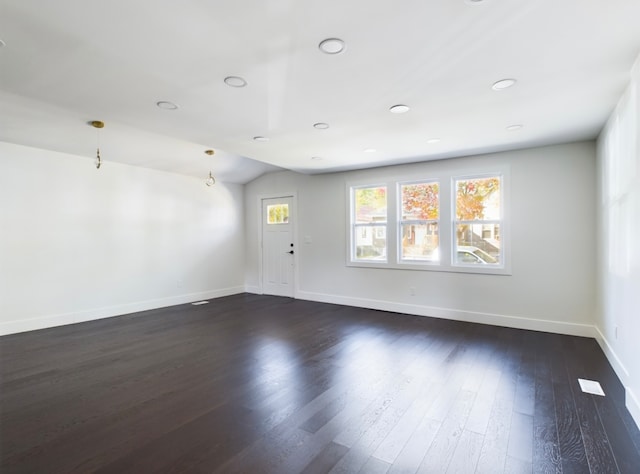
(433, 140)
(235, 81)
(166, 105)
(399, 109)
(370, 150)
(261, 139)
(503, 84)
(513, 128)
(321, 125)
(332, 46)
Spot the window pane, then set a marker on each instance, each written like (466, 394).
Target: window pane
(278, 214)
(477, 243)
(370, 204)
(371, 243)
(420, 242)
(420, 201)
(478, 199)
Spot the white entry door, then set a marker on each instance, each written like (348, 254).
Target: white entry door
(278, 253)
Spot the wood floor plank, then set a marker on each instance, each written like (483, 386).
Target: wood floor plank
(322, 417)
(465, 457)
(599, 453)
(517, 466)
(444, 444)
(626, 454)
(325, 461)
(546, 449)
(521, 437)
(496, 441)
(414, 451)
(480, 414)
(398, 437)
(620, 430)
(570, 442)
(391, 411)
(525, 389)
(254, 383)
(374, 466)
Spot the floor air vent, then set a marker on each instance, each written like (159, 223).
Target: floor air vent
(591, 386)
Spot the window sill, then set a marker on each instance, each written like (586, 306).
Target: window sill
(433, 267)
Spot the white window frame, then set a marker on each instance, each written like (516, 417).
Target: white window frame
(446, 225)
(503, 267)
(355, 227)
(401, 222)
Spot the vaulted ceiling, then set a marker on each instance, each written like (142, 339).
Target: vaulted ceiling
(64, 63)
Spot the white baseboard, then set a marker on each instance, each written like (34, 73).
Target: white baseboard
(516, 322)
(52, 320)
(256, 290)
(633, 405)
(613, 358)
(631, 400)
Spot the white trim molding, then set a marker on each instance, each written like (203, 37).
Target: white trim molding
(614, 360)
(632, 401)
(633, 405)
(516, 322)
(53, 320)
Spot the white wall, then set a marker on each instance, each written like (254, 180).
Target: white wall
(618, 316)
(78, 243)
(552, 286)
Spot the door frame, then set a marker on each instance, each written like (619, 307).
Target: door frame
(294, 235)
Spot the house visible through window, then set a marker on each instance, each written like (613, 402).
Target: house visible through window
(478, 219)
(419, 215)
(369, 221)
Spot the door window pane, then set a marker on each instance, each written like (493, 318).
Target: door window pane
(278, 214)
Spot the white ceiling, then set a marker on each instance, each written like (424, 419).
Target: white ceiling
(67, 62)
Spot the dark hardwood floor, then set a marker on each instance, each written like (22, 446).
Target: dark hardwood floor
(258, 384)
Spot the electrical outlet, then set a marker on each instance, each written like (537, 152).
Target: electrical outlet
(179, 283)
(412, 291)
